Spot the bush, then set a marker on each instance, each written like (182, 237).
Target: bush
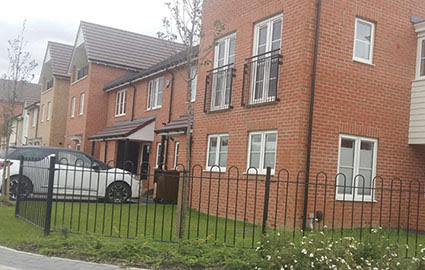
(317, 251)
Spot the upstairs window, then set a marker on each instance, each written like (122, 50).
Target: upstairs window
(72, 107)
(120, 102)
(224, 58)
(264, 65)
(49, 84)
(34, 117)
(81, 103)
(194, 77)
(363, 41)
(421, 58)
(155, 89)
(357, 162)
(49, 110)
(81, 72)
(42, 113)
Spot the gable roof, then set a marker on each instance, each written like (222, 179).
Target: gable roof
(60, 55)
(122, 48)
(30, 91)
(174, 60)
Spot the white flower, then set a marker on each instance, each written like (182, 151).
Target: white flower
(304, 251)
(268, 257)
(311, 255)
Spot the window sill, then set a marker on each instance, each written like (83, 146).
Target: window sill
(260, 173)
(79, 80)
(357, 60)
(153, 109)
(119, 115)
(249, 105)
(365, 200)
(220, 110)
(222, 170)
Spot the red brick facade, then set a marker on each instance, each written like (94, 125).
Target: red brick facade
(350, 97)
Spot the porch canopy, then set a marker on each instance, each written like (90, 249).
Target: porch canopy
(175, 127)
(141, 129)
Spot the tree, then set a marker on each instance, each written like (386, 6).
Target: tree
(18, 75)
(185, 25)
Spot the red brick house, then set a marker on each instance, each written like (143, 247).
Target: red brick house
(342, 94)
(100, 55)
(145, 111)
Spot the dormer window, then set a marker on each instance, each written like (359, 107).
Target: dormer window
(81, 72)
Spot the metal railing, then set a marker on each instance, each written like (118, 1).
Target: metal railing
(233, 208)
(218, 88)
(260, 78)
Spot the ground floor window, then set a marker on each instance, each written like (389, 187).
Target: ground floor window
(176, 154)
(262, 151)
(356, 167)
(158, 154)
(217, 151)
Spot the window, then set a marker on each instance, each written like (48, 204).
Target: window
(155, 93)
(224, 58)
(120, 102)
(357, 162)
(158, 154)
(72, 107)
(194, 77)
(49, 84)
(217, 151)
(363, 41)
(265, 65)
(176, 154)
(42, 113)
(74, 159)
(81, 103)
(49, 109)
(262, 151)
(34, 117)
(81, 72)
(78, 146)
(421, 58)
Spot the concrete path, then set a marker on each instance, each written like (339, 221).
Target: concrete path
(16, 260)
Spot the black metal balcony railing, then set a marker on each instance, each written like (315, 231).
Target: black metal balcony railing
(49, 84)
(260, 78)
(82, 72)
(218, 89)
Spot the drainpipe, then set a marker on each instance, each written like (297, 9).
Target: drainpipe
(310, 121)
(170, 112)
(134, 100)
(36, 123)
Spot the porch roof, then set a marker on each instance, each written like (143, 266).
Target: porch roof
(178, 125)
(126, 130)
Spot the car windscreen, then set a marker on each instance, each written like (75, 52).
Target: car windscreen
(11, 154)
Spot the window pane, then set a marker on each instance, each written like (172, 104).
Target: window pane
(347, 152)
(222, 160)
(211, 159)
(366, 155)
(422, 67)
(262, 40)
(277, 33)
(362, 50)
(347, 182)
(367, 174)
(271, 142)
(213, 144)
(224, 143)
(221, 51)
(269, 159)
(254, 160)
(232, 48)
(256, 143)
(364, 32)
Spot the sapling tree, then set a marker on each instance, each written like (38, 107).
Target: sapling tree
(12, 86)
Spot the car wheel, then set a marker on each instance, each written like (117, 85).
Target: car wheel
(26, 187)
(118, 192)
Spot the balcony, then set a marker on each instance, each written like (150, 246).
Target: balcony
(218, 89)
(260, 78)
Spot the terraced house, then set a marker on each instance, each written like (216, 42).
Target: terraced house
(54, 81)
(101, 54)
(333, 86)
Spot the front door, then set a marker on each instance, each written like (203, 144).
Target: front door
(144, 171)
(127, 159)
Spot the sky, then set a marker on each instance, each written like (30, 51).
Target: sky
(58, 20)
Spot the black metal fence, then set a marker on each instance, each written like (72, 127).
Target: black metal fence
(234, 208)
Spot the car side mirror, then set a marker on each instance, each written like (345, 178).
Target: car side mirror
(96, 168)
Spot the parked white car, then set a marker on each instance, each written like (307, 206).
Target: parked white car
(77, 175)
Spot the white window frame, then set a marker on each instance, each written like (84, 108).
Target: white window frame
(269, 22)
(263, 134)
(193, 82)
(82, 95)
(42, 113)
(372, 41)
(226, 41)
(420, 57)
(78, 146)
(120, 102)
(158, 145)
(153, 94)
(176, 153)
(49, 110)
(358, 140)
(217, 153)
(73, 107)
(34, 117)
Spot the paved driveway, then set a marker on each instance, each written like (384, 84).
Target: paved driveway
(15, 260)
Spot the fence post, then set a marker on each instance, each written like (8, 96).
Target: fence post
(266, 199)
(18, 192)
(181, 205)
(49, 196)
